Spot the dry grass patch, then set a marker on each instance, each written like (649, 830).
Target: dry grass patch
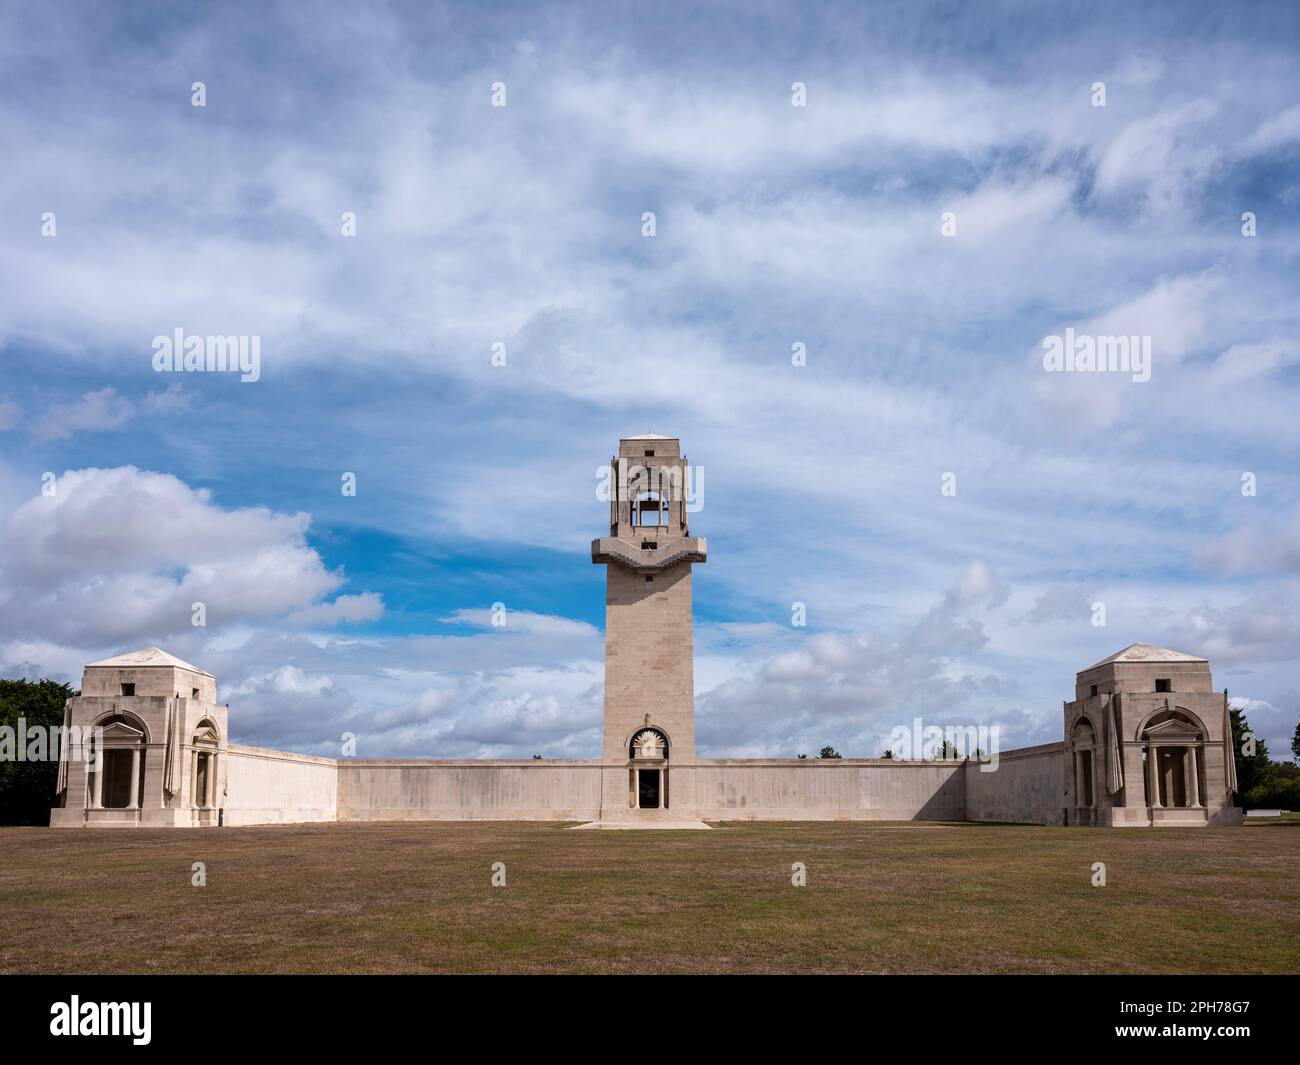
(880, 898)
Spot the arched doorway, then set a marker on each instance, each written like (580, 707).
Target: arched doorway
(648, 771)
(1173, 757)
(203, 769)
(1083, 743)
(117, 771)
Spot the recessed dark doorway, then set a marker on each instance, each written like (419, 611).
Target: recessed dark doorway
(116, 793)
(648, 788)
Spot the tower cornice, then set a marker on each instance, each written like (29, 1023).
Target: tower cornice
(659, 556)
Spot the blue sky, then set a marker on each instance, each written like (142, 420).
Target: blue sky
(775, 225)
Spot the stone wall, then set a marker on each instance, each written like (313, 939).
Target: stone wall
(829, 790)
(1028, 786)
(745, 789)
(429, 790)
(265, 787)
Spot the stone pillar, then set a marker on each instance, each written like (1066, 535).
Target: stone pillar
(194, 779)
(1093, 798)
(154, 769)
(134, 803)
(1192, 783)
(101, 760)
(1153, 774)
(210, 800)
(1134, 775)
(1078, 782)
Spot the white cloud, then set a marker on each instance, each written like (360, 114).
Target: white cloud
(1173, 313)
(851, 689)
(993, 209)
(1139, 71)
(522, 621)
(171, 400)
(1260, 628)
(1263, 545)
(1282, 128)
(1176, 315)
(488, 694)
(94, 412)
(977, 586)
(1244, 362)
(345, 608)
(1163, 156)
(118, 556)
(1071, 605)
(1273, 720)
(521, 224)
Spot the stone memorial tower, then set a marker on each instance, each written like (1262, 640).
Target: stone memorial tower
(648, 757)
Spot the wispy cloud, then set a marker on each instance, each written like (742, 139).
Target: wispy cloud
(521, 226)
(95, 411)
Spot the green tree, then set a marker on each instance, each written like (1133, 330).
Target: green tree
(1279, 790)
(26, 787)
(1295, 743)
(949, 750)
(829, 752)
(889, 754)
(1252, 768)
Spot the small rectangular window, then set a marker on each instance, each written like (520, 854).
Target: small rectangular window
(648, 579)
(1162, 685)
(1094, 690)
(128, 689)
(195, 693)
(649, 454)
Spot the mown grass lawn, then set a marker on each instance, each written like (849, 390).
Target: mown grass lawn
(900, 898)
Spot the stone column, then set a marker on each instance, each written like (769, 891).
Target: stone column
(194, 779)
(1153, 774)
(1094, 799)
(1193, 784)
(134, 803)
(101, 760)
(210, 799)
